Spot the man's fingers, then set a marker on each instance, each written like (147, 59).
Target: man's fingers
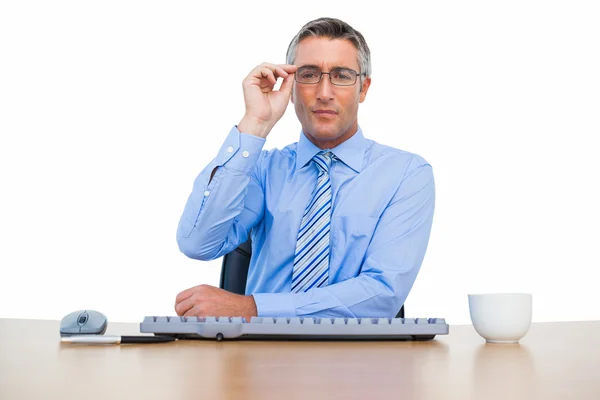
(185, 294)
(193, 312)
(287, 84)
(289, 68)
(284, 70)
(184, 306)
(266, 73)
(281, 73)
(273, 71)
(287, 73)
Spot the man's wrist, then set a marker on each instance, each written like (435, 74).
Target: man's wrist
(254, 127)
(250, 306)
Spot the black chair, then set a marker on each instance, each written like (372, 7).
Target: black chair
(234, 271)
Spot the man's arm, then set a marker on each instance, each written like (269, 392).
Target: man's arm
(391, 265)
(227, 198)
(221, 210)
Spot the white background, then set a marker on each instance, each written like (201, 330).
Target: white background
(108, 111)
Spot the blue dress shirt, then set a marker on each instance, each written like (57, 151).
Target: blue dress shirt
(383, 202)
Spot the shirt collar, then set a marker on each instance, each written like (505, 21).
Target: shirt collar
(351, 152)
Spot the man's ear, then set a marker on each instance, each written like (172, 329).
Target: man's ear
(364, 89)
(292, 95)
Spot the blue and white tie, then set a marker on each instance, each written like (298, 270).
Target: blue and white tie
(311, 262)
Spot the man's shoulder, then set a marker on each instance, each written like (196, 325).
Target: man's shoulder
(378, 152)
(288, 151)
(279, 157)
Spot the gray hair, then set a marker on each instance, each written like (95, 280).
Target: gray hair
(333, 29)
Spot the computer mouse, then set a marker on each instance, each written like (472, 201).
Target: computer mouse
(83, 322)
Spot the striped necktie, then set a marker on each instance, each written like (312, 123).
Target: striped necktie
(311, 262)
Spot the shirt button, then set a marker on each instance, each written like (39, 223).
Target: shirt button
(206, 193)
(230, 149)
(245, 154)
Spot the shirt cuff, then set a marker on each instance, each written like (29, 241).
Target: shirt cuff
(275, 304)
(240, 151)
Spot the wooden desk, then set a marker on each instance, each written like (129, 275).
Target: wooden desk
(554, 361)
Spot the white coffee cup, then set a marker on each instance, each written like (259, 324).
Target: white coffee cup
(501, 317)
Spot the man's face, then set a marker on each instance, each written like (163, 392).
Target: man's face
(328, 113)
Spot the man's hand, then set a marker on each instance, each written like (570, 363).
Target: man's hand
(206, 300)
(265, 106)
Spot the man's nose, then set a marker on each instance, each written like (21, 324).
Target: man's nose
(325, 89)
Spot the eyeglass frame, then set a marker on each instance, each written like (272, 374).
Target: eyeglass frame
(329, 73)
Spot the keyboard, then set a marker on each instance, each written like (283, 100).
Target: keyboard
(295, 328)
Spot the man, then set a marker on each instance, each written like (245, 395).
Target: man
(339, 224)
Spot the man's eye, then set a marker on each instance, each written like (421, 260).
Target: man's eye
(308, 74)
(342, 75)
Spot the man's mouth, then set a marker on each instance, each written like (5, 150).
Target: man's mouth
(324, 112)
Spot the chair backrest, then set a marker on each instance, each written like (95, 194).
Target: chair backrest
(234, 271)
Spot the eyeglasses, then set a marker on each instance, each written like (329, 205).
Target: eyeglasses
(337, 76)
